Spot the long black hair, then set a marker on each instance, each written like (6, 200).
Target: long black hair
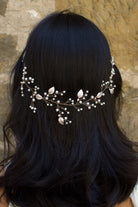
(88, 163)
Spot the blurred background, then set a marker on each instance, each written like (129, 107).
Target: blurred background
(118, 19)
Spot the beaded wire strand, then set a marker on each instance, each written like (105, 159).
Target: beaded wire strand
(52, 96)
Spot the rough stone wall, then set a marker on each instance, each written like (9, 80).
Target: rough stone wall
(17, 18)
(116, 18)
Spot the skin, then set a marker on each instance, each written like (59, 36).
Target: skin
(3, 202)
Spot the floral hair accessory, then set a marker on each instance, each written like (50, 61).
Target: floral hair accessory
(52, 96)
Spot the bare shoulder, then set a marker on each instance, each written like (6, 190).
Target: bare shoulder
(3, 202)
(126, 203)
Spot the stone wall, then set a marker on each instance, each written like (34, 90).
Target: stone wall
(17, 18)
(118, 21)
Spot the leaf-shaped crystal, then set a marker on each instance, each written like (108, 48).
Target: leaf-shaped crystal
(111, 90)
(38, 97)
(61, 120)
(99, 95)
(80, 93)
(51, 90)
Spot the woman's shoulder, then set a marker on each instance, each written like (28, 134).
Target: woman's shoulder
(3, 202)
(134, 195)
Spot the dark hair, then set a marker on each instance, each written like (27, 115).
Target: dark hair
(87, 163)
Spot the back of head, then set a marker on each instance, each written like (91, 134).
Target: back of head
(69, 52)
(89, 162)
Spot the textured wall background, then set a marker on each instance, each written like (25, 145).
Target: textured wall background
(118, 21)
(16, 21)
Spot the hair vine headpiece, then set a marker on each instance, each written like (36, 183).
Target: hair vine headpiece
(52, 96)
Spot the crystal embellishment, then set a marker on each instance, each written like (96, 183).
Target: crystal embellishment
(52, 96)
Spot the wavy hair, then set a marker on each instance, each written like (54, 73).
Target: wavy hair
(88, 163)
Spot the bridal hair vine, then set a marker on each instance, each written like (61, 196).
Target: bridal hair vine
(52, 96)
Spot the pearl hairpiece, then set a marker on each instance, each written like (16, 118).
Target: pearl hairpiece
(51, 97)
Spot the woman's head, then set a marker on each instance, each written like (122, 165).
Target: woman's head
(69, 52)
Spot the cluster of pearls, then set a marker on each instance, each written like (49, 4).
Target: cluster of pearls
(109, 84)
(25, 80)
(52, 96)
